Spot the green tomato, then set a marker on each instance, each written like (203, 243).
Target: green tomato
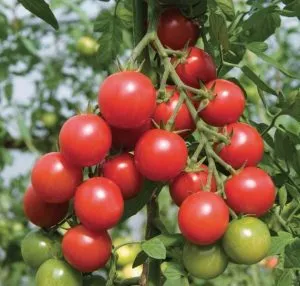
(94, 280)
(57, 273)
(128, 272)
(204, 262)
(247, 240)
(87, 46)
(49, 119)
(126, 253)
(38, 246)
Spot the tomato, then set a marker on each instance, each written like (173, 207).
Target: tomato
(126, 253)
(38, 246)
(127, 99)
(246, 147)
(41, 213)
(99, 204)
(160, 155)
(188, 183)
(204, 262)
(227, 106)
(87, 46)
(122, 170)
(247, 240)
(198, 66)
(250, 191)
(203, 218)
(93, 249)
(54, 179)
(49, 119)
(92, 136)
(270, 262)
(94, 280)
(128, 272)
(56, 272)
(175, 31)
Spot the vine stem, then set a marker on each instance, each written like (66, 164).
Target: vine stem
(197, 152)
(271, 124)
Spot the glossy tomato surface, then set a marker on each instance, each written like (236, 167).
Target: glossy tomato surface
(203, 218)
(85, 139)
(85, 250)
(250, 191)
(99, 204)
(54, 179)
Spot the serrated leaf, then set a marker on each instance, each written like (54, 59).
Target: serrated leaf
(283, 277)
(154, 248)
(278, 243)
(173, 271)
(282, 194)
(227, 8)
(292, 254)
(257, 47)
(140, 259)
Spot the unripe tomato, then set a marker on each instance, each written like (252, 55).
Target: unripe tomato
(99, 204)
(128, 272)
(160, 155)
(127, 99)
(251, 191)
(41, 213)
(92, 136)
(203, 218)
(94, 280)
(54, 179)
(247, 240)
(126, 253)
(87, 46)
(49, 119)
(85, 250)
(204, 262)
(227, 106)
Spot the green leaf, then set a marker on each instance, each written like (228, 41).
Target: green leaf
(283, 277)
(292, 105)
(154, 248)
(140, 259)
(227, 8)
(278, 243)
(292, 254)
(257, 47)
(171, 239)
(182, 281)
(293, 192)
(173, 271)
(282, 194)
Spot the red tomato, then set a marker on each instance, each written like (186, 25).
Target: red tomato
(246, 146)
(251, 191)
(127, 99)
(85, 139)
(85, 250)
(40, 213)
(160, 155)
(98, 204)
(203, 218)
(175, 31)
(198, 66)
(122, 170)
(270, 262)
(54, 179)
(188, 183)
(227, 106)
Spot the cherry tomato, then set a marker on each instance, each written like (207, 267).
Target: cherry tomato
(85, 139)
(87, 46)
(175, 31)
(270, 262)
(227, 106)
(99, 204)
(203, 218)
(54, 179)
(93, 249)
(251, 191)
(127, 99)
(205, 261)
(160, 155)
(49, 119)
(188, 183)
(198, 66)
(246, 146)
(247, 240)
(41, 213)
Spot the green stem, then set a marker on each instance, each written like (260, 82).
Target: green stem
(172, 119)
(141, 46)
(163, 82)
(271, 124)
(197, 152)
(290, 217)
(282, 221)
(211, 167)
(124, 244)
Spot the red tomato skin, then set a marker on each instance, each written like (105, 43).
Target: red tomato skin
(203, 218)
(189, 183)
(127, 99)
(40, 213)
(251, 191)
(98, 204)
(198, 66)
(160, 155)
(86, 250)
(227, 106)
(175, 31)
(85, 139)
(246, 146)
(122, 170)
(54, 179)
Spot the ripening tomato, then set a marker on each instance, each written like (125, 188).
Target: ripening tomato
(270, 262)
(189, 183)
(127, 99)
(176, 31)
(160, 155)
(198, 66)
(203, 218)
(85, 139)
(251, 191)
(246, 147)
(54, 179)
(85, 250)
(41, 213)
(99, 204)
